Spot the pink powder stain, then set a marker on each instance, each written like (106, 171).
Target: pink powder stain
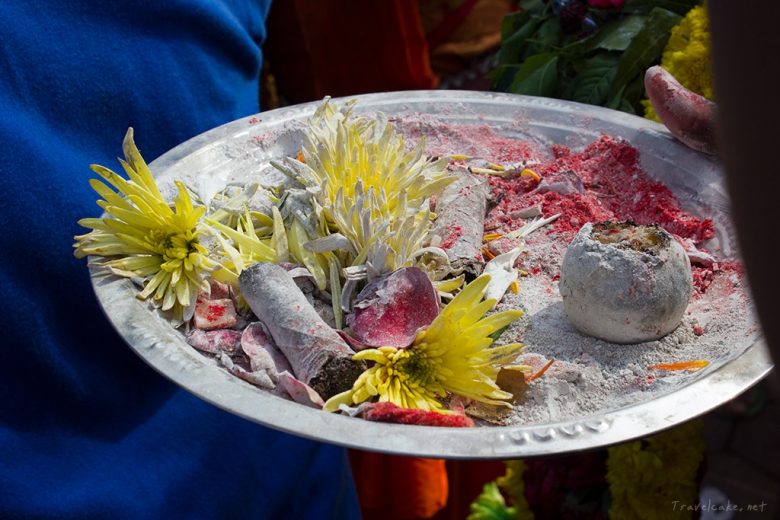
(215, 312)
(453, 234)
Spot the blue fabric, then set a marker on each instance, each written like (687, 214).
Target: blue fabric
(87, 430)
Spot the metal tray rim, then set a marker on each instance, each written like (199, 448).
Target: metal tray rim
(165, 350)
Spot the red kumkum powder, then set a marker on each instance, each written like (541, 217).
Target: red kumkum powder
(215, 312)
(614, 188)
(453, 234)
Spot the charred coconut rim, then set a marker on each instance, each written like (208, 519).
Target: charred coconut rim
(625, 283)
(627, 235)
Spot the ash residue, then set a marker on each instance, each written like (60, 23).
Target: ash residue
(591, 376)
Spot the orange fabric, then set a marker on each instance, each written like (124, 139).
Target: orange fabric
(399, 488)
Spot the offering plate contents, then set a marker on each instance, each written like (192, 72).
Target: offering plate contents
(412, 268)
(625, 283)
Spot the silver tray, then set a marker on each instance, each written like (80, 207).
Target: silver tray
(243, 147)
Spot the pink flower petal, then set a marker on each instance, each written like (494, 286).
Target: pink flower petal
(215, 341)
(390, 310)
(299, 391)
(261, 350)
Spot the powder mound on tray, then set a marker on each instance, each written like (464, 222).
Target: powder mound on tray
(602, 182)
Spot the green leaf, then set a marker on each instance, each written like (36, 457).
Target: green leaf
(635, 90)
(537, 76)
(616, 100)
(533, 6)
(633, 95)
(617, 36)
(513, 47)
(497, 334)
(680, 7)
(512, 22)
(546, 38)
(625, 106)
(502, 76)
(490, 505)
(581, 46)
(646, 47)
(593, 82)
(622, 101)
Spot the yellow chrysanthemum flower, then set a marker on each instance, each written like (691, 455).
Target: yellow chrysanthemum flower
(687, 56)
(153, 241)
(246, 248)
(343, 151)
(367, 187)
(454, 354)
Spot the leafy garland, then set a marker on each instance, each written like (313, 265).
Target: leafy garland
(645, 478)
(568, 49)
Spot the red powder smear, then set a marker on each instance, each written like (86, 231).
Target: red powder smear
(453, 234)
(704, 276)
(214, 312)
(388, 412)
(615, 189)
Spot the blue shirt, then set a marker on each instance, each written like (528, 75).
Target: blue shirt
(87, 430)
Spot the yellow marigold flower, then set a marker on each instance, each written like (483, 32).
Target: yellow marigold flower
(454, 354)
(154, 241)
(687, 56)
(658, 470)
